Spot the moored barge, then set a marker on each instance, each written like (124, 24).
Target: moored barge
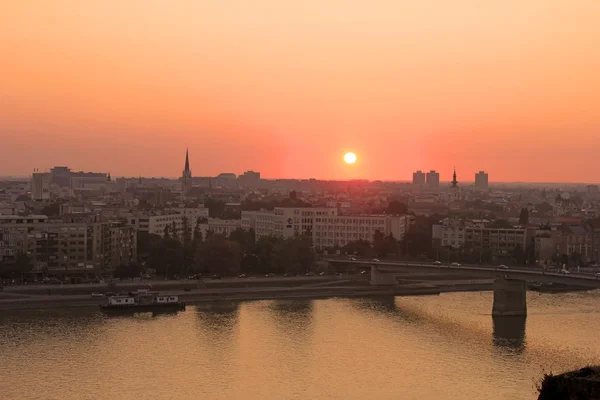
(143, 301)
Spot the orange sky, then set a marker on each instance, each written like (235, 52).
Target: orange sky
(285, 88)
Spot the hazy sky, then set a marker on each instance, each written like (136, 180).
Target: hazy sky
(286, 87)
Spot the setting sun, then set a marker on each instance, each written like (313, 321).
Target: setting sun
(350, 158)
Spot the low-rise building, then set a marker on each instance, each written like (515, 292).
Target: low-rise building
(222, 226)
(82, 180)
(461, 234)
(7, 209)
(564, 206)
(51, 246)
(193, 214)
(111, 244)
(325, 226)
(545, 247)
(578, 239)
(77, 243)
(173, 221)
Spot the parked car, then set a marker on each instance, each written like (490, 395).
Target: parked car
(321, 273)
(145, 276)
(352, 258)
(375, 260)
(364, 272)
(502, 266)
(455, 264)
(437, 263)
(216, 276)
(309, 274)
(288, 274)
(564, 271)
(270, 275)
(95, 294)
(243, 276)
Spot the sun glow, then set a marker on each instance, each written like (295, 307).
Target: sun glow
(349, 158)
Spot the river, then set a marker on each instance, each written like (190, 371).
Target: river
(431, 347)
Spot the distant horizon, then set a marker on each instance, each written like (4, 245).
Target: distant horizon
(287, 89)
(471, 183)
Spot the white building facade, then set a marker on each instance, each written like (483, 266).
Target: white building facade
(326, 227)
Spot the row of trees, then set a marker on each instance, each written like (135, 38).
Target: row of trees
(218, 254)
(18, 269)
(291, 201)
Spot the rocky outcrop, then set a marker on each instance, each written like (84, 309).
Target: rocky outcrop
(583, 384)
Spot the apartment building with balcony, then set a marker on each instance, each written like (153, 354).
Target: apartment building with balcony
(477, 234)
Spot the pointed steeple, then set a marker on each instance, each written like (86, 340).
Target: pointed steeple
(454, 181)
(186, 177)
(187, 162)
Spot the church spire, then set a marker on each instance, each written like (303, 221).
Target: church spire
(186, 177)
(454, 181)
(187, 162)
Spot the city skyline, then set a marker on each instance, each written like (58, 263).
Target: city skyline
(261, 199)
(470, 178)
(405, 87)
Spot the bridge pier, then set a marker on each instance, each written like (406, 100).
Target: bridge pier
(380, 279)
(510, 297)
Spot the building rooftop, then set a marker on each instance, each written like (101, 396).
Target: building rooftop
(6, 217)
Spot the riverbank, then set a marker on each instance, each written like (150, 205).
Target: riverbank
(581, 384)
(228, 294)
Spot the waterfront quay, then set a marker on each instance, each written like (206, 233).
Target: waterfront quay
(234, 289)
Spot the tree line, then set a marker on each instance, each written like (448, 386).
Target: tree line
(240, 252)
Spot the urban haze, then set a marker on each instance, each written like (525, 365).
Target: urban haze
(321, 200)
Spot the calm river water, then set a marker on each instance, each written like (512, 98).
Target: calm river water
(436, 347)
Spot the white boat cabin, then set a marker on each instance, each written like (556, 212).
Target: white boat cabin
(120, 300)
(166, 299)
(142, 299)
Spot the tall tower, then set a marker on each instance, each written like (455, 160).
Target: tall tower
(454, 181)
(186, 177)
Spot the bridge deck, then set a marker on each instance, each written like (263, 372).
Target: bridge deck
(530, 275)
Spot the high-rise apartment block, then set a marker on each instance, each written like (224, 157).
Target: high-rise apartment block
(40, 186)
(418, 178)
(433, 179)
(481, 180)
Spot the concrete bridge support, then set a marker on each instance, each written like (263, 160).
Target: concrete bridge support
(380, 279)
(510, 297)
